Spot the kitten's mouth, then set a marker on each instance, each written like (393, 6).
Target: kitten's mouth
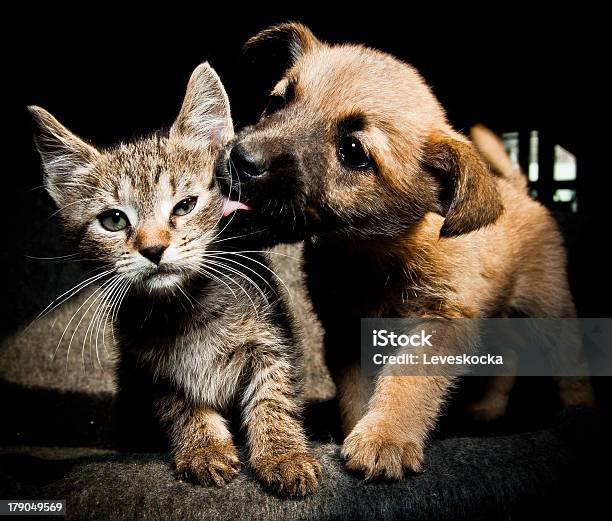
(162, 270)
(162, 278)
(230, 206)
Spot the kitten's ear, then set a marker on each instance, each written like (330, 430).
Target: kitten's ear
(205, 119)
(63, 153)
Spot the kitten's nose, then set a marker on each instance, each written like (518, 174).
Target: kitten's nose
(153, 253)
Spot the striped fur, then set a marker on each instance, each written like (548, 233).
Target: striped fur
(203, 329)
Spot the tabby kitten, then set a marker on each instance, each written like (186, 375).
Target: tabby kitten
(198, 331)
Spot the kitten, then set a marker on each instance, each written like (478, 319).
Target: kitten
(198, 331)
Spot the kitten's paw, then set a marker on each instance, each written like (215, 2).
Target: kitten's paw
(294, 475)
(213, 465)
(375, 454)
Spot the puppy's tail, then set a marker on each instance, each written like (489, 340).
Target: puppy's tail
(492, 150)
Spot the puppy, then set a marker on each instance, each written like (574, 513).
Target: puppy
(400, 217)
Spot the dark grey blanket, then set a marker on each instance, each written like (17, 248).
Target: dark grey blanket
(548, 472)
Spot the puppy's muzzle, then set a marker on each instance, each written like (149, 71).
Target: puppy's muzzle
(246, 164)
(258, 166)
(264, 174)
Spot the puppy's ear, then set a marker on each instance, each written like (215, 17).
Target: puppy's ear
(469, 196)
(280, 45)
(205, 119)
(64, 156)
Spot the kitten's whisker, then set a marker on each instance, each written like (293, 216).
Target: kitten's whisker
(72, 183)
(240, 274)
(227, 201)
(221, 257)
(85, 199)
(259, 251)
(197, 303)
(75, 289)
(208, 266)
(114, 310)
(90, 327)
(89, 330)
(238, 236)
(97, 290)
(294, 216)
(105, 285)
(248, 279)
(94, 316)
(58, 257)
(114, 316)
(114, 298)
(230, 166)
(189, 299)
(68, 183)
(240, 254)
(203, 271)
(99, 315)
(121, 299)
(66, 261)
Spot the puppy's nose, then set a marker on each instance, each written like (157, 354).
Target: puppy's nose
(245, 163)
(153, 253)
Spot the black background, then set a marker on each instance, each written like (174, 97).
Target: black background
(110, 76)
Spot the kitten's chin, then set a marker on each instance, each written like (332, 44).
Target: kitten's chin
(162, 282)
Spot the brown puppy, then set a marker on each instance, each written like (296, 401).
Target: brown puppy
(401, 217)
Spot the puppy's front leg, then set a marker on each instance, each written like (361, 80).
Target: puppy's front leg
(402, 410)
(353, 390)
(391, 436)
(200, 441)
(278, 445)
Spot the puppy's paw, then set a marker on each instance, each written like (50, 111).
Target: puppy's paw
(213, 465)
(489, 408)
(375, 454)
(294, 475)
(576, 391)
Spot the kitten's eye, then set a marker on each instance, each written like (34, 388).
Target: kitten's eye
(113, 220)
(352, 153)
(185, 206)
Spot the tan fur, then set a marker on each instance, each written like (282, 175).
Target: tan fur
(428, 232)
(494, 401)
(493, 151)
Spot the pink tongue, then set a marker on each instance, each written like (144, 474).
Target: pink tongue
(229, 206)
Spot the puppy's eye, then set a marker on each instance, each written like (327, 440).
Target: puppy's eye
(275, 103)
(352, 153)
(113, 220)
(185, 206)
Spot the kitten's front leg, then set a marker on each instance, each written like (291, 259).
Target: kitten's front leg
(201, 443)
(279, 449)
